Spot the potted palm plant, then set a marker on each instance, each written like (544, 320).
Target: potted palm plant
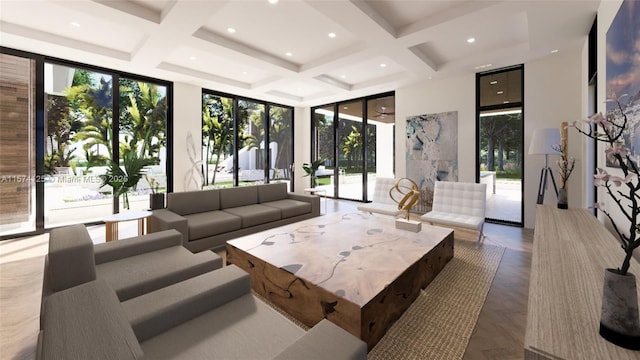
(311, 169)
(125, 178)
(619, 320)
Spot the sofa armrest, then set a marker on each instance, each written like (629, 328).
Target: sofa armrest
(70, 261)
(313, 199)
(325, 341)
(155, 312)
(87, 322)
(165, 219)
(116, 250)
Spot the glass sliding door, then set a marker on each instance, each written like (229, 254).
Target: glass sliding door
(217, 140)
(500, 143)
(356, 141)
(323, 148)
(252, 152)
(78, 144)
(280, 144)
(350, 150)
(142, 139)
(17, 145)
(380, 140)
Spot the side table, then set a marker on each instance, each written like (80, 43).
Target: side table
(111, 222)
(321, 192)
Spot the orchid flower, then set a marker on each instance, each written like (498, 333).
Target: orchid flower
(599, 119)
(601, 177)
(599, 205)
(617, 181)
(621, 150)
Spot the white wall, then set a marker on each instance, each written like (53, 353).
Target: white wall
(452, 94)
(301, 147)
(553, 93)
(187, 120)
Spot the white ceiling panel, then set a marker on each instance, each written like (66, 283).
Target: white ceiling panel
(49, 17)
(187, 40)
(368, 70)
(287, 27)
(206, 62)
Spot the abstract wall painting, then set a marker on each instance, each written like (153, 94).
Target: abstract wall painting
(432, 152)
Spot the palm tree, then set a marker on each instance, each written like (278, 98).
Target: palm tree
(217, 130)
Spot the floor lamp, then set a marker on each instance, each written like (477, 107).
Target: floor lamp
(543, 142)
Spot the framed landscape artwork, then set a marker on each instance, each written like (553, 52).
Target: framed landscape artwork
(623, 73)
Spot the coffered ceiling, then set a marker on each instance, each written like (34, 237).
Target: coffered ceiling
(283, 51)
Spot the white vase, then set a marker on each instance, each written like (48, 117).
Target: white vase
(619, 321)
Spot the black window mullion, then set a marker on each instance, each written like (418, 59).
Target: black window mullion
(115, 129)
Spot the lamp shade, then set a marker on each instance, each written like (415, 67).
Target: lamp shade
(543, 140)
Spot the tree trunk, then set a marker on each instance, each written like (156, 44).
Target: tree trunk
(500, 155)
(490, 155)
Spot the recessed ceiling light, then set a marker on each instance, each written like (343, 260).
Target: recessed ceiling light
(289, 54)
(75, 24)
(273, 1)
(343, 76)
(500, 92)
(483, 66)
(231, 30)
(554, 51)
(505, 102)
(383, 65)
(244, 73)
(471, 40)
(494, 82)
(332, 35)
(345, 108)
(192, 58)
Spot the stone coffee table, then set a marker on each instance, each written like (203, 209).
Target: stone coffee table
(357, 269)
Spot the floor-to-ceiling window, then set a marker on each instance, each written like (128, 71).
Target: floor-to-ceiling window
(280, 143)
(500, 160)
(245, 141)
(94, 122)
(217, 140)
(355, 142)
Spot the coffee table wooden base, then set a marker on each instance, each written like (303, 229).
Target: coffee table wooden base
(310, 303)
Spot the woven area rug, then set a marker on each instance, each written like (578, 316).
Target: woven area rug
(439, 323)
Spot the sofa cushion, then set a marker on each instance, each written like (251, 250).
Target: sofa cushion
(454, 219)
(290, 208)
(87, 322)
(153, 313)
(191, 202)
(212, 223)
(70, 259)
(155, 270)
(115, 250)
(238, 196)
(245, 328)
(272, 192)
(257, 214)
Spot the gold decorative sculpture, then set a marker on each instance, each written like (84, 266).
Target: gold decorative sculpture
(410, 194)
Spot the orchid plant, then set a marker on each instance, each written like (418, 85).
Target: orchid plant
(624, 191)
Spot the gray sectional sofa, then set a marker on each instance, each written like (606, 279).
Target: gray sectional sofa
(208, 218)
(131, 267)
(209, 316)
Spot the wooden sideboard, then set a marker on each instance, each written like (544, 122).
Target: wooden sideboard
(571, 249)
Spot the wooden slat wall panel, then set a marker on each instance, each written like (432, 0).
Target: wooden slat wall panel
(17, 165)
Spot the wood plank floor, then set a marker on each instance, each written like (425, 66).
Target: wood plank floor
(499, 333)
